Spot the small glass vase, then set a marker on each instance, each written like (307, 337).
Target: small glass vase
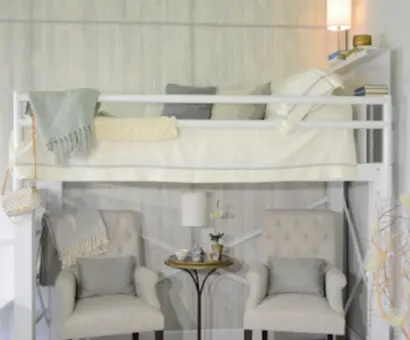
(217, 248)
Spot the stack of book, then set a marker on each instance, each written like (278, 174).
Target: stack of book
(371, 90)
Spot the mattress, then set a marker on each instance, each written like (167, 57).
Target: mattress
(210, 155)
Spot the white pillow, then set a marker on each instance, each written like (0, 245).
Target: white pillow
(241, 111)
(307, 83)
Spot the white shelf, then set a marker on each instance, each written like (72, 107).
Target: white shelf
(356, 59)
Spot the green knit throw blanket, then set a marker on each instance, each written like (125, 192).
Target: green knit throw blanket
(64, 120)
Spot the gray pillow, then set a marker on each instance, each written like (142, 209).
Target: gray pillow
(100, 276)
(296, 275)
(256, 111)
(188, 111)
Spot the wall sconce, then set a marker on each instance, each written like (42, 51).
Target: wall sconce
(339, 18)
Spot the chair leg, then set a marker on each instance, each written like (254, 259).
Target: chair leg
(135, 336)
(247, 334)
(264, 335)
(335, 337)
(159, 335)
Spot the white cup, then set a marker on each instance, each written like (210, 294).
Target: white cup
(181, 254)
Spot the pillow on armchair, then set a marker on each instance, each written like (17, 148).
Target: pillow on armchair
(296, 275)
(99, 276)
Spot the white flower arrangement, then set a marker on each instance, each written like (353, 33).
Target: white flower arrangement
(215, 237)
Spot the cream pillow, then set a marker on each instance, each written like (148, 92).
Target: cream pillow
(307, 83)
(122, 109)
(241, 111)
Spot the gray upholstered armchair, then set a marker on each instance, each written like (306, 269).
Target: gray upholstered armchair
(297, 235)
(113, 314)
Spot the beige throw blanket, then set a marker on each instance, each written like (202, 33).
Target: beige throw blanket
(135, 129)
(79, 233)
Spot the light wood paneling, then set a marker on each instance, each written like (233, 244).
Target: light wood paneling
(266, 54)
(15, 9)
(112, 10)
(159, 11)
(78, 10)
(14, 51)
(261, 12)
(6, 36)
(112, 58)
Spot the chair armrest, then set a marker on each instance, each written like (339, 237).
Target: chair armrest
(258, 286)
(66, 285)
(145, 285)
(335, 282)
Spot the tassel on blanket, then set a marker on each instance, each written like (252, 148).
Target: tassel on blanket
(90, 246)
(79, 141)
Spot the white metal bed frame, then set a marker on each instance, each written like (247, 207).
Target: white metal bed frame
(378, 176)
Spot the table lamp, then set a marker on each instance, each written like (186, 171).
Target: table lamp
(339, 18)
(193, 209)
(194, 213)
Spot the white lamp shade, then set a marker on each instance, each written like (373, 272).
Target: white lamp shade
(339, 15)
(193, 209)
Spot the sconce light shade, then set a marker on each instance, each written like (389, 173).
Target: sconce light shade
(339, 15)
(193, 209)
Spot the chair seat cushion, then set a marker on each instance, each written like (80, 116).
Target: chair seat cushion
(110, 315)
(301, 313)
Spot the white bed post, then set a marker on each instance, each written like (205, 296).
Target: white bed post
(54, 202)
(336, 195)
(380, 196)
(24, 255)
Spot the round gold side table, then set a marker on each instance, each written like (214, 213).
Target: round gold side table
(192, 269)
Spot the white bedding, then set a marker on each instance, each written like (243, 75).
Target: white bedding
(212, 156)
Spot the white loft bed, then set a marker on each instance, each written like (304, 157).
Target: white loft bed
(209, 151)
(378, 175)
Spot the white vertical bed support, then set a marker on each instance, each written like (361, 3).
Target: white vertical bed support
(24, 254)
(387, 151)
(336, 194)
(380, 197)
(52, 193)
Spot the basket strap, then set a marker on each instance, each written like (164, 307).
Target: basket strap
(34, 155)
(34, 146)
(6, 179)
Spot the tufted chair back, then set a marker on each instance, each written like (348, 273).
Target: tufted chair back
(300, 233)
(124, 233)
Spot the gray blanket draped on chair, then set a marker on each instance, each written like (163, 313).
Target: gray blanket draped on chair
(50, 263)
(67, 235)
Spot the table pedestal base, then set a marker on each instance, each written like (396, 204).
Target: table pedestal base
(199, 286)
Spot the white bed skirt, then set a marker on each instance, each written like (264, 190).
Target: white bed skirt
(220, 155)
